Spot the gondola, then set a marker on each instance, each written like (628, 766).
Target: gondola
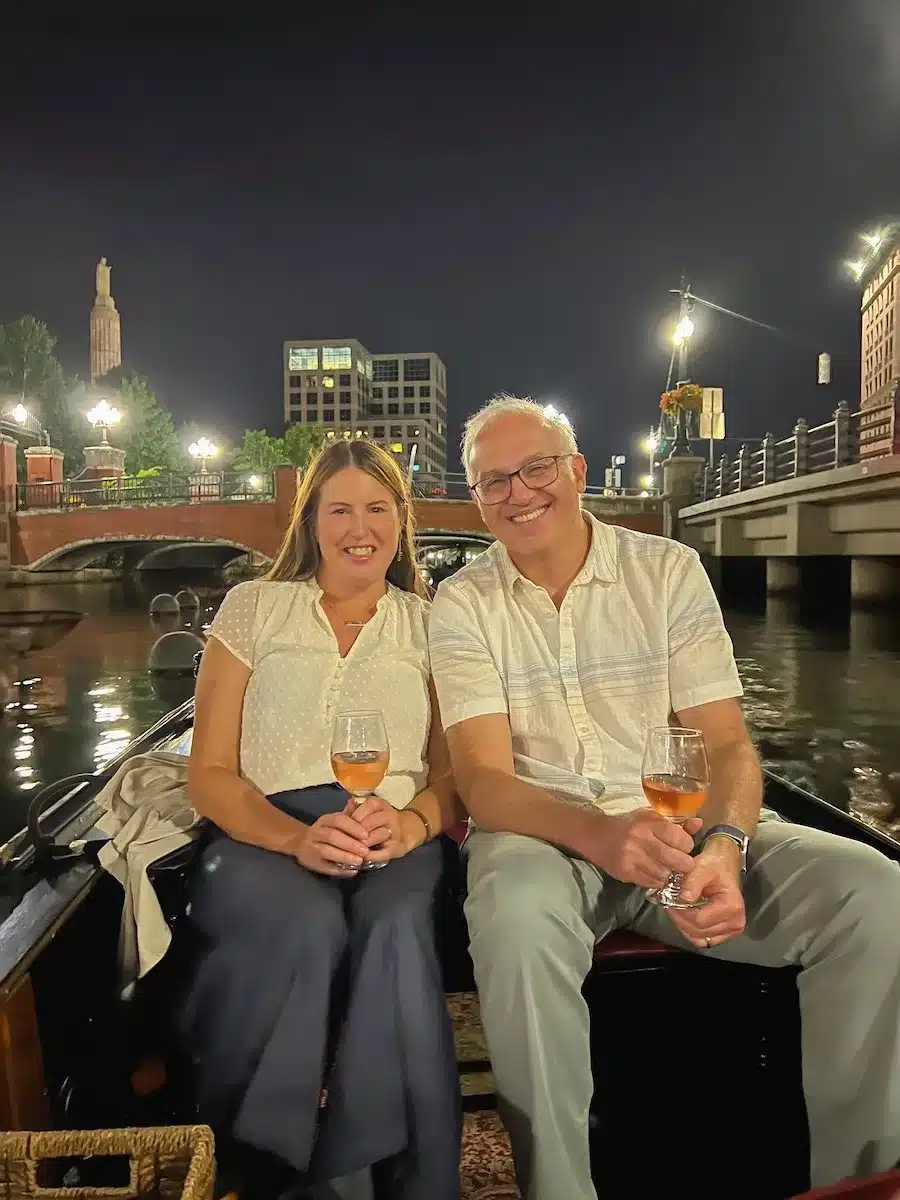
(75, 1055)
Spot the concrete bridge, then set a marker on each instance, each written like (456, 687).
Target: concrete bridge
(57, 529)
(830, 491)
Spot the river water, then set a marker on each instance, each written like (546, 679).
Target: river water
(822, 695)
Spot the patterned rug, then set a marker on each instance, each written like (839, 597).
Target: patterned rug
(486, 1167)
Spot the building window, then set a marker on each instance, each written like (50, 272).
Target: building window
(312, 416)
(409, 410)
(295, 397)
(378, 431)
(303, 358)
(396, 431)
(413, 431)
(345, 397)
(344, 381)
(377, 410)
(312, 381)
(417, 369)
(408, 392)
(393, 393)
(384, 370)
(345, 414)
(328, 416)
(397, 447)
(393, 410)
(295, 381)
(377, 393)
(425, 390)
(336, 358)
(425, 408)
(312, 397)
(328, 381)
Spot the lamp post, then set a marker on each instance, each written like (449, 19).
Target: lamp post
(103, 417)
(203, 449)
(651, 441)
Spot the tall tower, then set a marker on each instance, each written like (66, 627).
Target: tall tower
(106, 333)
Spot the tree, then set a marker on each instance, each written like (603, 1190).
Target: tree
(146, 431)
(302, 443)
(260, 452)
(29, 368)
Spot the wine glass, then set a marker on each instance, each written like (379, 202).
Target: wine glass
(359, 757)
(675, 779)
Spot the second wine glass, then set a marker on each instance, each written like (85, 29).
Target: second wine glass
(675, 779)
(360, 755)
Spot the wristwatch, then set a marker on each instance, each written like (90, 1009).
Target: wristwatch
(737, 836)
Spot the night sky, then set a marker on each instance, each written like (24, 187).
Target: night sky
(516, 192)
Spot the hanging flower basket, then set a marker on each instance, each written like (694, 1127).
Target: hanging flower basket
(688, 397)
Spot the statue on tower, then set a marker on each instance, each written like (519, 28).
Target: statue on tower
(106, 333)
(103, 278)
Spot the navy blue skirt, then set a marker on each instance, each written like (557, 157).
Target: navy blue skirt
(306, 981)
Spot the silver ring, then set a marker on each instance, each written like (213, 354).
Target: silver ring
(708, 944)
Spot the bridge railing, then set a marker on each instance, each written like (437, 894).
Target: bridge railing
(134, 490)
(453, 486)
(806, 452)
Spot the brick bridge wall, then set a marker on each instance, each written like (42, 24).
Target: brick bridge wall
(257, 526)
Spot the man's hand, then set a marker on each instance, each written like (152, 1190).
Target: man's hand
(715, 874)
(642, 847)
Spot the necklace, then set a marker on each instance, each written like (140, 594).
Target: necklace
(349, 624)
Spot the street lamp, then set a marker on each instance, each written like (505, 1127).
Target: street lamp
(649, 444)
(683, 330)
(202, 449)
(102, 417)
(20, 414)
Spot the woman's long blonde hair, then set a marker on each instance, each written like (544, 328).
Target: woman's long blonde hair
(299, 557)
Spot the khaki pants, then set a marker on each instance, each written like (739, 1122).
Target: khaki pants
(827, 904)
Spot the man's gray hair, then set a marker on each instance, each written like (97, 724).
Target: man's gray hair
(523, 405)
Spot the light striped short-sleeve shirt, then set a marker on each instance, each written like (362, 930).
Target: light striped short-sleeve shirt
(639, 635)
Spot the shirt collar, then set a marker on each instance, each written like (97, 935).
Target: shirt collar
(602, 561)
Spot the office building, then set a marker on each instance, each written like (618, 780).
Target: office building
(879, 427)
(399, 400)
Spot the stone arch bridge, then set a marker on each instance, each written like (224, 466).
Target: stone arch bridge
(46, 537)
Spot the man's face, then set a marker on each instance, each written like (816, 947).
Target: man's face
(531, 519)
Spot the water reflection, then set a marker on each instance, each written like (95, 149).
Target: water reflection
(821, 697)
(75, 693)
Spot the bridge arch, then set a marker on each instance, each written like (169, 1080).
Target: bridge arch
(147, 553)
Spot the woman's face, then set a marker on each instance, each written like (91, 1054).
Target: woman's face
(357, 527)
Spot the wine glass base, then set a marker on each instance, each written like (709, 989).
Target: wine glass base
(668, 897)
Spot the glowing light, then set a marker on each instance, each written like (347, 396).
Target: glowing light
(856, 268)
(101, 691)
(650, 443)
(21, 755)
(683, 331)
(104, 415)
(255, 481)
(20, 414)
(27, 787)
(872, 239)
(26, 740)
(202, 448)
(24, 772)
(647, 481)
(29, 707)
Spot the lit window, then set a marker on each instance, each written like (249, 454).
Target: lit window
(336, 358)
(397, 447)
(327, 381)
(303, 358)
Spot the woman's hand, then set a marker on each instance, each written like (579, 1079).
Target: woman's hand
(335, 844)
(392, 833)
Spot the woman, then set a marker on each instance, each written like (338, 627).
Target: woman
(317, 973)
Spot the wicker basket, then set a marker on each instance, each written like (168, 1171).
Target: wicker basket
(171, 1163)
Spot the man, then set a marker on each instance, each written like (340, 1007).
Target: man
(553, 653)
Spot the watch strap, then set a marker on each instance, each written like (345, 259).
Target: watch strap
(735, 834)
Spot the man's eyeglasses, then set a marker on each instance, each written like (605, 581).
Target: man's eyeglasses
(539, 473)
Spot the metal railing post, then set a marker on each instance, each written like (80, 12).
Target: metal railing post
(801, 459)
